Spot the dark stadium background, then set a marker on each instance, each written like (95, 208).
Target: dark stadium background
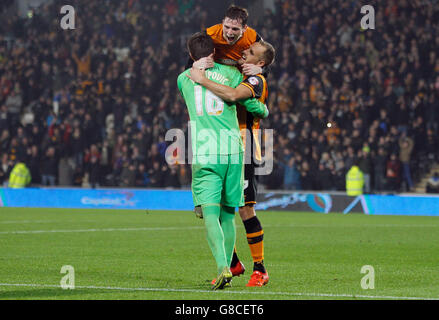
(91, 106)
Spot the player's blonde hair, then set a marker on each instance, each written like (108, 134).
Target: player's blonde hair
(269, 52)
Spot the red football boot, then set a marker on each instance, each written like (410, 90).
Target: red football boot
(258, 279)
(238, 269)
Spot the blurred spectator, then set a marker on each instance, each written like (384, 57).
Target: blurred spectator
(65, 173)
(5, 169)
(365, 165)
(433, 184)
(305, 177)
(155, 174)
(93, 165)
(291, 180)
(34, 161)
(338, 177)
(49, 168)
(128, 175)
(20, 176)
(405, 150)
(13, 104)
(171, 179)
(380, 168)
(354, 180)
(393, 173)
(4, 118)
(142, 179)
(323, 179)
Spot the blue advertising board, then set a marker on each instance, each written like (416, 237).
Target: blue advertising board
(416, 205)
(97, 198)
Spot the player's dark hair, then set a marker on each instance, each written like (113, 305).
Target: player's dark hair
(200, 45)
(237, 13)
(268, 53)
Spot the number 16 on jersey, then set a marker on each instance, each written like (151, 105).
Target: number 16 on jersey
(214, 104)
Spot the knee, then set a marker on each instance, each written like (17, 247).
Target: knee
(246, 212)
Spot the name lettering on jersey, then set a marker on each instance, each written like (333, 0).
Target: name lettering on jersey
(213, 75)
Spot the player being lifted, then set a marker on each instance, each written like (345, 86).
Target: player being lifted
(260, 54)
(231, 38)
(217, 165)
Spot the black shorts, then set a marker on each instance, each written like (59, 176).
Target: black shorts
(250, 184)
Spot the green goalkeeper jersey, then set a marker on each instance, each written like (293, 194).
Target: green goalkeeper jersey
(213, 122)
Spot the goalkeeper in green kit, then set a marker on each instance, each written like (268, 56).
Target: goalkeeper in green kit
(217, 148)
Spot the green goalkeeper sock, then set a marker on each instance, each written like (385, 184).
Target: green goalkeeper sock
(215, 235)
(227, 219)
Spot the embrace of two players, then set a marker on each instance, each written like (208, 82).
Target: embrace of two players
(221, 181)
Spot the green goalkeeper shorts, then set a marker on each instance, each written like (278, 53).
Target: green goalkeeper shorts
(218, 179)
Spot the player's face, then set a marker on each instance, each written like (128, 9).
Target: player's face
(253, 55)
(232, 30)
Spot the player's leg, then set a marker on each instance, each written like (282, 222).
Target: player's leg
(227, 219)
(255, 236)
(220, 236)
(236, 266)
(207, 187)
(215, 235)
(253, 228)
(233, 195)
(255, 240)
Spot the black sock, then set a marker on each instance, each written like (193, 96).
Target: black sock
(235, 259)
(259, 266)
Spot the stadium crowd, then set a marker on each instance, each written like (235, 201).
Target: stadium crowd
(91, 106)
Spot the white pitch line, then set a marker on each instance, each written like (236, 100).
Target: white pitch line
(198, 227)
(100, 230)
(29, 221)
(42, 221)
(297, 294)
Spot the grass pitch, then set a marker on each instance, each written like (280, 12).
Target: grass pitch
(154, 255)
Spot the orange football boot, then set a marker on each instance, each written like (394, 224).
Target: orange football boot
(258, 279)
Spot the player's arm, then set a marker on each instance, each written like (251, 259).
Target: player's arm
(255, 107)
(226, 93)
(244, 92)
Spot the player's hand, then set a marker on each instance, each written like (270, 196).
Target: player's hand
(196, 75)
(204, 63)
(251, 69)
(198, 212)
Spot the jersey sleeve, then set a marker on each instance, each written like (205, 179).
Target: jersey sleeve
(180, 82)
(255, 107)
(235, 77)
(255, 84)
